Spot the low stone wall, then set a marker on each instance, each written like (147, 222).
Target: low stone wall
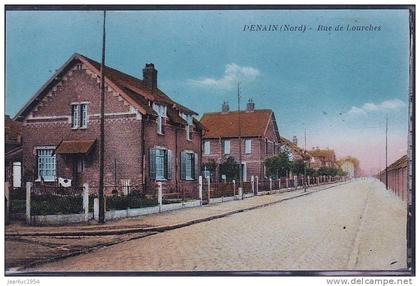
(59, 219)
(109, 215)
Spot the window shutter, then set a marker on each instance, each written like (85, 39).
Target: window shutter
(195, 166)
(165, 164)
(152, 164)
(169, 165)
(36, 169)
(183, 166)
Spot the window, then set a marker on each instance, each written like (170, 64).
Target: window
(74, 116)
(161, 112)
(189, 127)
(207, 150)
(79, 115)
(160, 164)
(226, 147)
(46, 164)
(83, 115)
(189, 163)
(248, 146)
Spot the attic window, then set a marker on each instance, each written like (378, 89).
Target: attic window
(79, 115)
(161, 111)
(189, 127)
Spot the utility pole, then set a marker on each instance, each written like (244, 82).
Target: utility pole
(304, 165)
(102, 131)
(239, 137)
(386, 152)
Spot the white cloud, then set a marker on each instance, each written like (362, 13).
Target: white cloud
(387, 105)
(233, 73)
(356, 110)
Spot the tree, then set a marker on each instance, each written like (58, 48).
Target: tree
(277, 166)
(298, 167)
(330, 171)
(311, 172)
(229, 168)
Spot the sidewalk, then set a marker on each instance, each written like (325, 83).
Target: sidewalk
(27, 246)
(162, 221)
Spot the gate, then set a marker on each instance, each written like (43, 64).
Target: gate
(17, 204)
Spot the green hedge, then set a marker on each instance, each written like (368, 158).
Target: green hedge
(17, 206)
(53, 204)
(133, 200)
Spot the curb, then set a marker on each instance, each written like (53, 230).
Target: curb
(160, 228)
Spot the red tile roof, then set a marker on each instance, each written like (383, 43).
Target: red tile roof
(225, 125)
(133, 89)
(126, 81)
(326, 154)
(293, 147)
(70, 147)
(13, 130)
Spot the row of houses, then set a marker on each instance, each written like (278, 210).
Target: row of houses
(149, 137)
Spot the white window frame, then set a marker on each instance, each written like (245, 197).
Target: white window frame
(48, 161)
(84, 115)
(189, 127)
(75, 115)
(248, 146)
(226, 147)
(161, 112)
(207, 148)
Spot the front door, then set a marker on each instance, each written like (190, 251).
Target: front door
(77, 170)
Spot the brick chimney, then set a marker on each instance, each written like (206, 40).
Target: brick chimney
(225, 107)
(250, 106)
(150, 77)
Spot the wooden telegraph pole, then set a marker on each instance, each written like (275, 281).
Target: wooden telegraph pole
(386, 152)
(102, 131)
(240, 141)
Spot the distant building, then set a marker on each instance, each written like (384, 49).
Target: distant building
(322, 158)
(295, 152)
(350, 166)
(259, 138)
(13, 151)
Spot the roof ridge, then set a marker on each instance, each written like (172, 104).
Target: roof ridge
(235, 111)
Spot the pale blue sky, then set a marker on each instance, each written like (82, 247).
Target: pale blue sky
(308, 79)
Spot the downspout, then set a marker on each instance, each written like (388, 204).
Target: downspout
(143, 157)
(176, 158)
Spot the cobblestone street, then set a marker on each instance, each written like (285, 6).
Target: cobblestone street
(358, 225)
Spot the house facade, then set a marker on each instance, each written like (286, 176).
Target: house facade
(322, 158)
(258, 133)
(13, 152)
(350, 166)
(149, 137)
(294, 151)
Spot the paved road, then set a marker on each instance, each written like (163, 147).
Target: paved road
(358, 225)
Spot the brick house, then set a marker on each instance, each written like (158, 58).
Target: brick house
(322, 158)
(13, 151)
(148, 136)
(295, 152)
(259, 138)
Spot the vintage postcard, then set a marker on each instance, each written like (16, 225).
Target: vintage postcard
(209, 140)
